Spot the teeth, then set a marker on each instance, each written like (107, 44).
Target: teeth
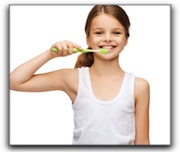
(107, 47)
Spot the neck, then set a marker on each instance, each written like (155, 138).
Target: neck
(105, 68)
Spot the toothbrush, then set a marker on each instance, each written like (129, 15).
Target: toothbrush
(102, 51)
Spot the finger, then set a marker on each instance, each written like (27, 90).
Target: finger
(65, 48)
(77, 46)
(59, 48)
(70, 48)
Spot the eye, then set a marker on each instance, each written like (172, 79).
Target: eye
(98, 32)
(116, 32)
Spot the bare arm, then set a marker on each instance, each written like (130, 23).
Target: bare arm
(25, 72)
(23, 78)
(142, 111)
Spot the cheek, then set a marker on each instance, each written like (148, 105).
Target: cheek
(93, 41)
(122, 41)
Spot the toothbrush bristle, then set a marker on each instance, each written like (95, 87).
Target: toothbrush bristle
(103, 51)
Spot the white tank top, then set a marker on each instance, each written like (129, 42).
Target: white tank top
(99, 122)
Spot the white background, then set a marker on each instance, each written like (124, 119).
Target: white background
(4, 61)
(47, 118)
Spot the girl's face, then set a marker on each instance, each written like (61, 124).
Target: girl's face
(107, 32)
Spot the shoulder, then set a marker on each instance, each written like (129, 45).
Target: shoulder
(69, 74)
(64, 78)
(69, 71)
(141, 83)
(142, 88)
(70, 77)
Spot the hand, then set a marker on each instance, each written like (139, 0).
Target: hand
(64, 48)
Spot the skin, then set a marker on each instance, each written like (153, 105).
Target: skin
(105, 73)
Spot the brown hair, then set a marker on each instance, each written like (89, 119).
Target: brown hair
(87, 59)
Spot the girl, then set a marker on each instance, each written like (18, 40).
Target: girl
(110, 106)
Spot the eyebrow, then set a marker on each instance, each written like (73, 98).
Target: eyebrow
(99, 28)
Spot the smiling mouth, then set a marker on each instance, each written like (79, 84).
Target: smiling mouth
(108, 47)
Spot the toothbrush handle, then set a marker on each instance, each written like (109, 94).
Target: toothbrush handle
(54, 49)
(83, 50)
(76, 50)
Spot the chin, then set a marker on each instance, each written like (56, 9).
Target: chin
(107, 57)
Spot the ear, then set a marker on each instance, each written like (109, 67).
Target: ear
(88, 41)
(126, 42)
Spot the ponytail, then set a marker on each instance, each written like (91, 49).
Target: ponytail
(84, 60)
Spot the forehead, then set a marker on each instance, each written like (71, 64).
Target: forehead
(105, 21)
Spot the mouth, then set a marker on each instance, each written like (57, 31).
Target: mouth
(108, 47)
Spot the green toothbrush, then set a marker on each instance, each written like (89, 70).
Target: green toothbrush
(102, 51)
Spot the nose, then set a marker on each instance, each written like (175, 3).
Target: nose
(107, 37)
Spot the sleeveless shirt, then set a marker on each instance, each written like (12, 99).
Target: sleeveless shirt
(99, 122)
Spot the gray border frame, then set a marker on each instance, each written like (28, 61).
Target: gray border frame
(45, 147)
